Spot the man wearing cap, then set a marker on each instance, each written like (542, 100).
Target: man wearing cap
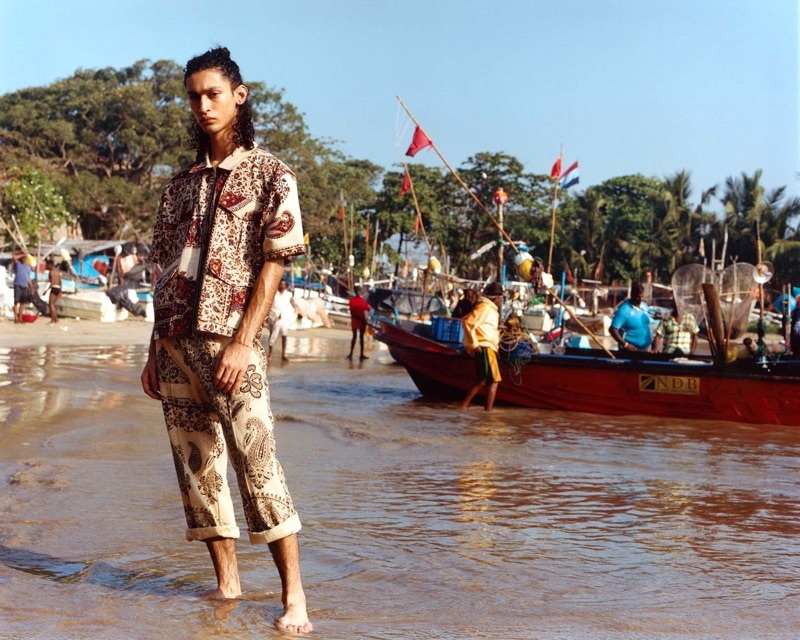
(482, 342)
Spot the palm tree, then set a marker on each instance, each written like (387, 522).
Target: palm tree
(586, 237)
(744, 214)
(761, 225)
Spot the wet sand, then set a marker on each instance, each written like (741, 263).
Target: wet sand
(87, 332)
(420, 521)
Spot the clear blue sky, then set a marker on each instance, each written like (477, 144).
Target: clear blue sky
(627, 86)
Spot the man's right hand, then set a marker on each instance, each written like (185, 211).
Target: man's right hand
(149, 377)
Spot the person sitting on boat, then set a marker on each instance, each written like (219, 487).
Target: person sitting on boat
(465, 304)
(794, 335)
(482, 341)
(679, 335)
(630, 326)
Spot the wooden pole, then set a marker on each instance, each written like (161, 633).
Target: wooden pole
(553, 215)
(580, 324)
(11, 233)
(733, 306)
(19, 234)
(350, 249)
(500, 244)
(417, 209)
(424, 235)
(715, 318)
(344, 239)
(424, 286)
(459, 180)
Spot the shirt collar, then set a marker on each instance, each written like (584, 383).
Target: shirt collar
(228, 164)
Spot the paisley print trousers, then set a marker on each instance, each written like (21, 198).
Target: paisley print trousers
(207, 427)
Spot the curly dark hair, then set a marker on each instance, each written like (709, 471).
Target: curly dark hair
(244, 133)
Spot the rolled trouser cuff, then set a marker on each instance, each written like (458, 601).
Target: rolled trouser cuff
(283, 530)
(207, 533)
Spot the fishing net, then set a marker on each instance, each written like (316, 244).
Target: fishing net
(737, 289)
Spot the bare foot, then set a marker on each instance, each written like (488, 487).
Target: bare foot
(284, 359)
(294, 620)
(363, 357)
(220, 594)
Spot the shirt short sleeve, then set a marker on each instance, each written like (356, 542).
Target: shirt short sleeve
(283, 234)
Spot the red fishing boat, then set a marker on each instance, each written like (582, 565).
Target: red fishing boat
(746, 390)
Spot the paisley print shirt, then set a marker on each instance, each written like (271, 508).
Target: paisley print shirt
(214, 230)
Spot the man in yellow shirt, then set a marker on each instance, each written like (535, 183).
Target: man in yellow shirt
(482, 342)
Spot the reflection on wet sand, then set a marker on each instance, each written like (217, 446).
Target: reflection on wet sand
(422, 519)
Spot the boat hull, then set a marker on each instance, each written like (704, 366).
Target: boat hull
(595, 383)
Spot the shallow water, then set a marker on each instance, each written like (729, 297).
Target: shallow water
(420, 521)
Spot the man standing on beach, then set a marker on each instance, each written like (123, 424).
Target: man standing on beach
(224, 228)
(23, 285)
(280, 314)
(54, 273)
(482, 342)
(359, 309)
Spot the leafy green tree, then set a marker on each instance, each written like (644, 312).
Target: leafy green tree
(526, 214)
(110, 138)
(630, 225)
(35, 203)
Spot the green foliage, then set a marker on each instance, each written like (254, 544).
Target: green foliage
(35, 203)
(101, 144)
(760, 226)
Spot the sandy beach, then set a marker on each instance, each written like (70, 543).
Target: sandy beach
(133, 331)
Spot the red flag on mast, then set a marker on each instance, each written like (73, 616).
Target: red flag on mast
(406, 184)
(341, 212)
(555, 172)
(419, 142)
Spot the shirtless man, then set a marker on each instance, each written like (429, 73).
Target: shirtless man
(54, 274)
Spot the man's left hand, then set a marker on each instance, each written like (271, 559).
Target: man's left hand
(231, 366)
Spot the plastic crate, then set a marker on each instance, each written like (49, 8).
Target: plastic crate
(445, 329)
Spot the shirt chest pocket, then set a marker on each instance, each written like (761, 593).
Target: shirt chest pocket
(234, 250)
(237, 220)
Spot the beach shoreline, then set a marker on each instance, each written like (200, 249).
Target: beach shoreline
(69, 331)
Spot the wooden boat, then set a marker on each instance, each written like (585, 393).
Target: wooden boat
(590, 381)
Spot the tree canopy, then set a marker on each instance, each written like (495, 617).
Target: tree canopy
(95, 149)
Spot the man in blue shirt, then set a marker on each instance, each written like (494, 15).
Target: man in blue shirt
(631, 324)
(23, 285)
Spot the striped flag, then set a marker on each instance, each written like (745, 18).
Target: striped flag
(569, 177)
